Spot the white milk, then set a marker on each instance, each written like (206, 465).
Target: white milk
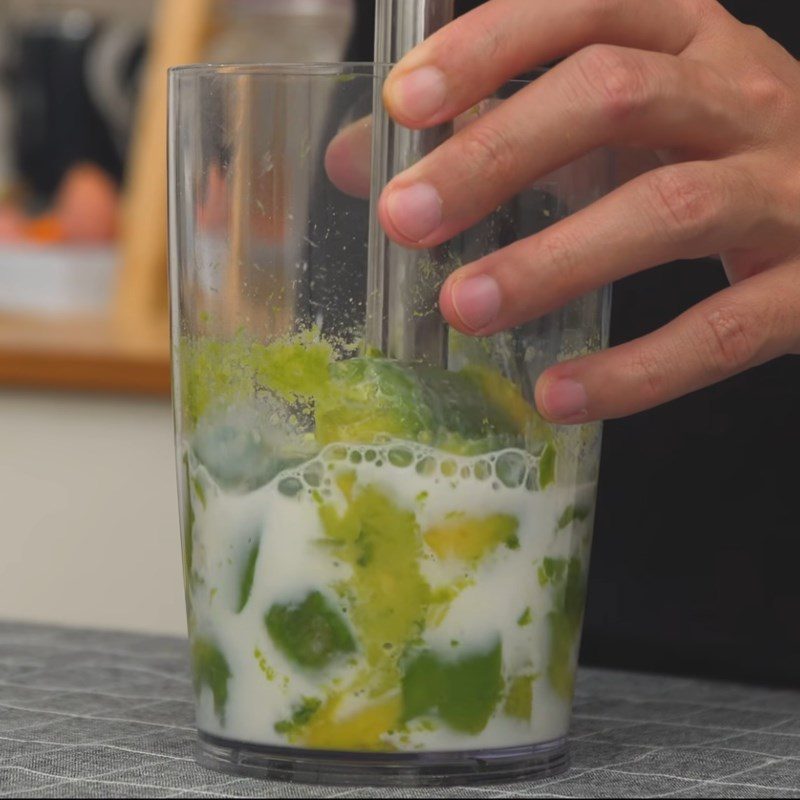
(265, 685)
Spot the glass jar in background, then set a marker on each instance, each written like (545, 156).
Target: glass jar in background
(281, 31)
(385, 559)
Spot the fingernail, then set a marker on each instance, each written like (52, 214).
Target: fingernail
(419, 94)
(416, 210)
(565, 400)
(477, 301)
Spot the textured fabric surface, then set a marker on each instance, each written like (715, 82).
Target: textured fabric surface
(96, 714)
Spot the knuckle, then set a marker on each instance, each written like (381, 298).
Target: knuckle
(493, 42)
(489, 40)
(755, 34)
(697, 9)
(560, 252)
(649, 366)
(487, 150)
(600, 11)
(613, 79)
(686, 203)
(780, 198)
(764, 92)
(701, 12)
(731, 338)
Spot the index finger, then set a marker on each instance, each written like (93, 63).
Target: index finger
(475, 54)
(348, 157)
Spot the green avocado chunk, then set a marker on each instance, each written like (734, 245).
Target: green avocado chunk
(463, 692)
(519, 702)
(551, 570)
(360, 399)
(311, 633)
(572, 513)
(565, 625)
(210, 668)
(547, 466)
(248, 575)
(302, 713)
(370, 397)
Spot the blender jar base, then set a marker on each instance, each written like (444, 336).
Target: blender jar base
(383, 769)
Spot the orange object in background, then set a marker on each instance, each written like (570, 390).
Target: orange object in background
(46, 229)
(87, 205)
(85, 211)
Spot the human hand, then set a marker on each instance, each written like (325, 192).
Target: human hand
(717, 101)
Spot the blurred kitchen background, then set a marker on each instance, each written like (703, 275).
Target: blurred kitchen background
(697, 544)
(88, 508)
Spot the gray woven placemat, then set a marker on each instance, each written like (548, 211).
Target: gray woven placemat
(96, 714)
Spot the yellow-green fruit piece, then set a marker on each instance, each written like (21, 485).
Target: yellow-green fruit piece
(365, 729)
(471, 538)
(387, 593)
(519, 702)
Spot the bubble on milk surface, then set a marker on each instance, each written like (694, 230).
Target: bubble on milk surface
(509, 469)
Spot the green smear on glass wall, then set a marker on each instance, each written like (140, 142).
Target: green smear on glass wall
(210, 668)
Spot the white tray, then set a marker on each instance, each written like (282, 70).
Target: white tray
(37, 278)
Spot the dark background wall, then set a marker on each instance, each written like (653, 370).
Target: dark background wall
(697, 556)
(696, 564)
